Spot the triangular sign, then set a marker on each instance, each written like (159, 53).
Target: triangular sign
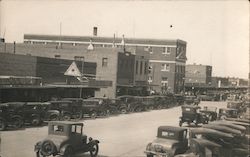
(73, 70)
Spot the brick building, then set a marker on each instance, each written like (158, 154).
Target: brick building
(112, 63)
(167, 58)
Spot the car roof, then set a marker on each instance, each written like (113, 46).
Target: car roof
(228, 124)
(172, 128)
(227, 109)
(12, 103)
(190, 106)
(36, 103)
(60, 101)
(65, 123)
(210, 131)
(222, 128)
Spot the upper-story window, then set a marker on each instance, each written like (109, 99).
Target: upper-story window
(165, 67)
(150, 79)
(166, 50)
(164, 81)
(104, 62)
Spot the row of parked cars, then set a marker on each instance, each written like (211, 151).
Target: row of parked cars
(224, 138)
(17, 114)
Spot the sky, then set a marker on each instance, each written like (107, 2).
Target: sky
(216, 32)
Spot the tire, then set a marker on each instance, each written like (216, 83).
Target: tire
(93, 115)
(17, 122)
(159, 107)
(35, 121)
(94, 151)
(68, 152)
(123, 111)
(77, 116)
(47, 148)
(2, 125)
(66, 117)
(149, 155)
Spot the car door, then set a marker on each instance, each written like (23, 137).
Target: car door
(76, 136)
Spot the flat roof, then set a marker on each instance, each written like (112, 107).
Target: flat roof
(148, 41)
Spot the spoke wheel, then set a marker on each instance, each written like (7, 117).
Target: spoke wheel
(94, 150)
(17, 122)
(35, 121)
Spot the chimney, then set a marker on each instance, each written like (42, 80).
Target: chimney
(94, 31)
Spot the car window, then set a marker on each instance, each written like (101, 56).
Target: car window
(76, 129)
(58, 128)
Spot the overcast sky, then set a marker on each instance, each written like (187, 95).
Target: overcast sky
(217, 32)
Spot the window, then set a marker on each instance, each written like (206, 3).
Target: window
(166, 50)
(104, 62)
(58, 128)
(165, 67)
(141, 67)
(79, 58)
(76, 129)
(145, 68)
(164, 81)
(150, 79)
(136, 67)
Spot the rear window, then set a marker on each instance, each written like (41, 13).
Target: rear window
(167, 134)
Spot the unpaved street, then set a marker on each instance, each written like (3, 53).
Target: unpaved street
(119, 136)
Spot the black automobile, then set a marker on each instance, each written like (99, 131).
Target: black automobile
(10, 115)
(192, 114)
(211, 112)
(63, 110)
(227, 113)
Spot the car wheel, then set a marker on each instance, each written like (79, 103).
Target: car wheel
(68, 152)
(66, 117)
(2, 125)
(93, 115)
(78, 115)
(94, 150)
(149, 155)
(47, 148)
(17, 122)
(159, 107)
(123, 111)
(35, 121)
(54, 117)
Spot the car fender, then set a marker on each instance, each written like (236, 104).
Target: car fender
(93, 142)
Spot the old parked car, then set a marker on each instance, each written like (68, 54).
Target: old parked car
(191, 100)
(10, 115)
(192, 114)
(63, 110)
(210, 112)
(227, 113)
(65, 139)
(170, 141)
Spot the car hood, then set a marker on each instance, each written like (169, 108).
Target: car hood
(166, 143)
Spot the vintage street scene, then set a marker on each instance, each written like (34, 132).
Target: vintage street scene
(124, 78)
